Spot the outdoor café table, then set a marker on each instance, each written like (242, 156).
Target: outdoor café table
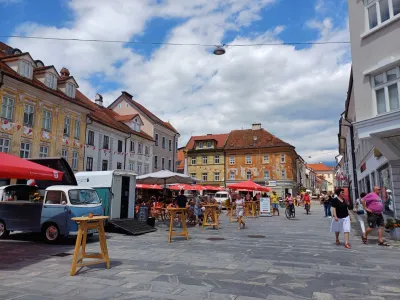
(211, 209)
(253, 206)
(182, 212)
(85, 223)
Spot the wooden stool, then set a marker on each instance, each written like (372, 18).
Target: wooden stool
(253, 205)
(247, 208)
(232, 213)
(211, 209)
(173, 212)
(85, 223)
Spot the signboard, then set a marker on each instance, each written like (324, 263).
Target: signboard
(271, 183)
(265, 207)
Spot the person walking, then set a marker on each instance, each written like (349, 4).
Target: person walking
(327, 204)
(341, 220)
(359, 210)
(240, 211)
(373, 205)
(275, 203)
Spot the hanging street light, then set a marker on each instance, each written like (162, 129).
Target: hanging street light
(219, 50)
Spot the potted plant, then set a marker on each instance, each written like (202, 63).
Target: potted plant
(394, 226)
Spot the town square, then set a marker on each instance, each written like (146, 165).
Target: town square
(171, 149)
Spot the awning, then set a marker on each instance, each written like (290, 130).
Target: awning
(148, 186)
(186, 187)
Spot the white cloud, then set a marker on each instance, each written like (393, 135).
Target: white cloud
(297, 94)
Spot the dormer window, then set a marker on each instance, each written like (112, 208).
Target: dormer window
(25, 69)
(50, 81)
(70, 90)
(136, 125)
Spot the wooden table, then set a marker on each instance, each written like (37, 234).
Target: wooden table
(211, 209)
(85, 223)
(173, 212)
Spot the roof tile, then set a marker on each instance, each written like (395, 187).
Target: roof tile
(219, 138)
(319, 167)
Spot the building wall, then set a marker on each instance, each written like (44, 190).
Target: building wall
(367, 52)
(134, 160)
(210, 168)
(16, 131)
(165, 153)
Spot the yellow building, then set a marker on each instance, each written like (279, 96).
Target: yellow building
(205, 158)
(39, 114)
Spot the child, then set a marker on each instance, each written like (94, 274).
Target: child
(240, 211)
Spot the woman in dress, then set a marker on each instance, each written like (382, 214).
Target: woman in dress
(359, 210)
(240, 211)
(341, 219)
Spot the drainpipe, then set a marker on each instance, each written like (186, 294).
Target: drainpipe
(130, 135)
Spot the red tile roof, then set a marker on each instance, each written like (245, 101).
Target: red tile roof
(125, 118)
(249, 138)
(319, 167)
(219, 138)
(5, 46)
(181, 159)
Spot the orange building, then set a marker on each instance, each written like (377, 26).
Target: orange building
(255, 154)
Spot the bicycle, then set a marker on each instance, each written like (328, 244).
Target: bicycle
(290, 212)
(307, 207)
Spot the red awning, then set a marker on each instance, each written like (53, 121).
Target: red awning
(248, 186)
(211, 188)
(17, 168)
(148, 186)
(186, 187)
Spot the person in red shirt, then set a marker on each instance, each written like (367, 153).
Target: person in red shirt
(307, 200)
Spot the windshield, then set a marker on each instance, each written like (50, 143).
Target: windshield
(83, 197)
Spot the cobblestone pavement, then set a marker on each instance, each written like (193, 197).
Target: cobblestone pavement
(273, 258)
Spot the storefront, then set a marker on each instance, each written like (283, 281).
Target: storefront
(385, 182)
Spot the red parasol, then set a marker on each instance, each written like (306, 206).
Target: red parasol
(211, 188)
(17, 168)
(148, 186)
(248, 186)
(186, 187)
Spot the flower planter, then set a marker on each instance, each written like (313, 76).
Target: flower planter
(395, 233)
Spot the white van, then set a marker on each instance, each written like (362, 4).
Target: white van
(222, 196)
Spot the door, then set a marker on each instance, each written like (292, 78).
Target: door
(55, 210)
(124, 197)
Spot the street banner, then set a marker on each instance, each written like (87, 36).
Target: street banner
(265, 207)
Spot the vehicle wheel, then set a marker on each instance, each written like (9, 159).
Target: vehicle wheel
(51, 233)
(294, 213)
(3, 230)
(287, 213)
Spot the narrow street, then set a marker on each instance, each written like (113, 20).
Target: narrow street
(273, 258)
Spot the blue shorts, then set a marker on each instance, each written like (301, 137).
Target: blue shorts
(275, 205)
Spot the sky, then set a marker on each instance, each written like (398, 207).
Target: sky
(296, 92)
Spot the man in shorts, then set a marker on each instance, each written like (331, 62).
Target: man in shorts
(373, 205)
(275, 203)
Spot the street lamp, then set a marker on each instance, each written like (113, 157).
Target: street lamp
(219, 50)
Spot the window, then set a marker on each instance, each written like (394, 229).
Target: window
(7, 108)
(201, 145)
(216, 159)
(146, 169)
(216, 176)
(283, 158)
(266, 159)
(46, 122)
(4, 145)
(248, 159)
(155, 162)
(89, 164)
(163, 163)
(90, 139)
(232, 175)
(170, 165)
(50, 81)
(140, 148)
(104, 165)
(266, 174)
(74, 160)
(25, 69)
(170, 145)
(119, 166)
(70, 90)
(25, 150)
(163, 142)
(127, 105)
(193, 161)
(146, 151)
(139, 168)
(106, 142)
(28, 115)
(64, 154)
(232, 160)
(77, 129)
(283, 174)
(131, 166)
(44, 151)
(67, 126)
(156, 143)
(205, 160)
(248, 175)
(55, 197)
(193, 175)
(204, 176)
(119, 146)
(379, 11)
(386, 88)
(132, 148)
(119, 105)
(208, 144)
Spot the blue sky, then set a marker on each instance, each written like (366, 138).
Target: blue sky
(171, 80)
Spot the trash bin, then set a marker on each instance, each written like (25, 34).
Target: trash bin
(151, 221)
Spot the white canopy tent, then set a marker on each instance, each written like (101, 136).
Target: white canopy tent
(165, 177)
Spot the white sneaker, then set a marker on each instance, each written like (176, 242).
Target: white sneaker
(329, 217)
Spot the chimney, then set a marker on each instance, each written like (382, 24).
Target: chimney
(256, 126)
(64, 72)
(98, 100)
(127, 94)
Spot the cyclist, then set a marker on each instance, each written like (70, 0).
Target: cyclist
(290, 203)
(307, 201)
